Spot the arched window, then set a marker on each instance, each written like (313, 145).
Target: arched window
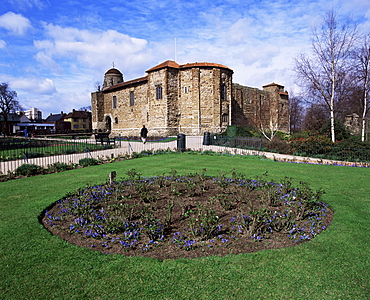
(116, 120)
(132, 99)
(114, 102)
(158, 92)
(223, 92)
(225, 118)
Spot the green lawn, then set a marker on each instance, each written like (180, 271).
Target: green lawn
(49, 148)
(335, 265)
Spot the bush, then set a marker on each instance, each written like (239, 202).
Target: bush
(277, 145)
(85, 162)
(59, 167)
(313, 145)
(28, 170)
(341, 132)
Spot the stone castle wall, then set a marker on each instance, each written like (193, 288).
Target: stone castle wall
(195, 99)
(267, 108)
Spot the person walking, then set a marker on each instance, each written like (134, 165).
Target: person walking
(144, 134)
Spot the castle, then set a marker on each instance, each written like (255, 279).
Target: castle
(192, 99)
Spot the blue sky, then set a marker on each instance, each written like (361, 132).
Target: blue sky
(53, 52)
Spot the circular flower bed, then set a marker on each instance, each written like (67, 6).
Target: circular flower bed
(189, 216)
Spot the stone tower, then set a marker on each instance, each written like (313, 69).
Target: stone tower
(112, 77)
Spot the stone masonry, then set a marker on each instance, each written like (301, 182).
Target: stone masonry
(191, 99)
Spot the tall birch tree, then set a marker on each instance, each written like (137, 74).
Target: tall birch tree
(362, 72)
(324, 72)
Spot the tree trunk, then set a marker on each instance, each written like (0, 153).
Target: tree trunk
(332, 126)
(363, 129)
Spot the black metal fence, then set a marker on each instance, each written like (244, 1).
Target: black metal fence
(23, 148)
(236, 142)
(15, 152)
(46, 151)
(314, 150)
(335, 153)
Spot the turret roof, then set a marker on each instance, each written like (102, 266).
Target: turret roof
(113, 71)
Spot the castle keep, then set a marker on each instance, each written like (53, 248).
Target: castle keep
(191, 99)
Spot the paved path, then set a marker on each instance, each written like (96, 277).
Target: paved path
(124, 148)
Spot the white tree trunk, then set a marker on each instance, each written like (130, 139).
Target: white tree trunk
(332, 126)
(363, 129)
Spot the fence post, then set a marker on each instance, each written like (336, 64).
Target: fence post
(181, 143)
(207, 139)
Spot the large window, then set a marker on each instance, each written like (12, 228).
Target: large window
(114, 102)
(223, 92)
(158, 92)
(132, 99)
(225, 118)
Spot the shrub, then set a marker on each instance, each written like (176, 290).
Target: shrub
(85, 162)
(28, 170)
(277, 145)
(313, 145)
(58, 167)
(341, 132)
(136, 155)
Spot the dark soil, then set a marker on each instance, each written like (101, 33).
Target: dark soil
(180, 217)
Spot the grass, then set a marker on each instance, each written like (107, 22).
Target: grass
(335, 265)
(47, 148)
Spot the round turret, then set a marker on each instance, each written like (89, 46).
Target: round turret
(112, 77)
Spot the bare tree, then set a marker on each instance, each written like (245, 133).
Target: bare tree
(8, 104)
(324, 73)
(362, 73)
(270, 132)
(296, 113)
(315, 117)
(97, 86)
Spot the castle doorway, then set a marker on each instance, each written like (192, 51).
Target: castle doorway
(108, 124)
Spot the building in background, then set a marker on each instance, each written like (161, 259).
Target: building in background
(34, 114)
(60, 126)
(80, 120)
(191, 99)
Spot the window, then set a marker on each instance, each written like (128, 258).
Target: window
(116, 120)
(75, 126)
(223, 92)
(186, 90)
(84, 126)
(84, 120)
(262, 98)
(158, 92)
(114, 102)
(132, 98)
(225, 118)
(75, 120)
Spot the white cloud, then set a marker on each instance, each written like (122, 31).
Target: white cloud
(34, 86)
(90, 49)
(2, 44)
(240, 31)
(47, 61)
(15, 23)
